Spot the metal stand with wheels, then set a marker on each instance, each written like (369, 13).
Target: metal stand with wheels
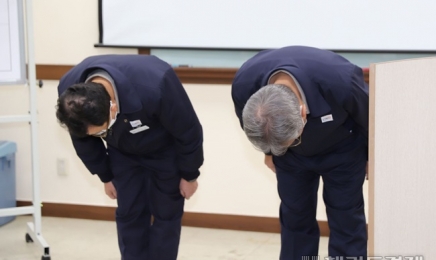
(33, 228)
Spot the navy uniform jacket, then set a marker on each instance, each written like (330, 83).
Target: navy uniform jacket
(332, 85)
(149, 91)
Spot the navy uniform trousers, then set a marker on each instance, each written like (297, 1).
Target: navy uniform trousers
(343, 174)
(150, 206)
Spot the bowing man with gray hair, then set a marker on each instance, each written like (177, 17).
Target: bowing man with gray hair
(307, 110)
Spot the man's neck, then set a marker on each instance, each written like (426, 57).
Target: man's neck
(284, 79)
(107, 85)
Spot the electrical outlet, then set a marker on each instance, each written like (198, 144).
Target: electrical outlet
(61, 165)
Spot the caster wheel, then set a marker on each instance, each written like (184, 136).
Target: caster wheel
(44, 257)
(28, 239)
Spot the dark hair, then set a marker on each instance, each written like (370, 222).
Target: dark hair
(82, 105)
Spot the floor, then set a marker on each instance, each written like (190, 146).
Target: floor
(76, 239)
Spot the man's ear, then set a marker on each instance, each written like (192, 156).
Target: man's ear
(114, 108)
(303, 110)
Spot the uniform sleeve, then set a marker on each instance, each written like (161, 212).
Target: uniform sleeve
(179, 118)
(92, 152)
(240, 96)
(239, 106)
(357, 102)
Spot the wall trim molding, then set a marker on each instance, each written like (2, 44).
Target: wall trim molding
(186, 75)
(51, 72)
(190, 219)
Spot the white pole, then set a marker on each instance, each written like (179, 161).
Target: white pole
(34, 229)
(33, 116)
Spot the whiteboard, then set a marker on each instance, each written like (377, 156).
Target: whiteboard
(370, 25)
(12, 61)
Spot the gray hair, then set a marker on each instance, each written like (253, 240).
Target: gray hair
(272, 118)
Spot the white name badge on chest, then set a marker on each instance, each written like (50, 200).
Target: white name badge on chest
(327, 118)
(135, 123)
(139, 129)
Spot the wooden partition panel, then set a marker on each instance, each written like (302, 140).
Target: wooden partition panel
(402, 164)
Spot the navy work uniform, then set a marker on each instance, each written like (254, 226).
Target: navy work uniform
(155, 141)
(333, 145)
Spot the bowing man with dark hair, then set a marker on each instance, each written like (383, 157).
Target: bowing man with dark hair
(150, 163)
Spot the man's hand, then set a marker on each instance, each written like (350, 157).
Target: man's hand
(269, 162)
(187, 189)
(110, 190)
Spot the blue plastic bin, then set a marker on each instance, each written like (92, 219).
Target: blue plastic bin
(7, 178)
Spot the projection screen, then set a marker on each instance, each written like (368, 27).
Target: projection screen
(370, 25)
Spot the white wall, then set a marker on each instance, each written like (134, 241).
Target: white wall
(233, 181)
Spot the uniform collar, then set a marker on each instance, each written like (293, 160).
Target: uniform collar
(316, 102)
(128, 98)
